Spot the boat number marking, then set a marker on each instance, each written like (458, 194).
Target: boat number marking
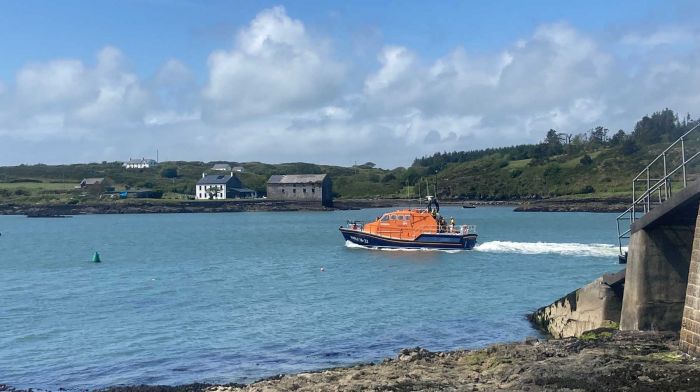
(358, 239)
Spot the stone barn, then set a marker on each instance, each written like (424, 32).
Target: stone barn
(301, 187)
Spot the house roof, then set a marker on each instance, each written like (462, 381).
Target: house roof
(243, 190)
(214, 179)
(221, 166)
(92, 181)
(142, 160)
(297, 179)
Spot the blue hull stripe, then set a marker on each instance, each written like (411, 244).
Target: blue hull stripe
(439, 241)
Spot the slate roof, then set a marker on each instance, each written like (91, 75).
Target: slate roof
(243, 190)
(212, 179)
(296, 179)
(92, 181)
(141, 161)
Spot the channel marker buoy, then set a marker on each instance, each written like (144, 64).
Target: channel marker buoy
(96, 258)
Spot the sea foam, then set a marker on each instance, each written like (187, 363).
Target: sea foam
(566, 249)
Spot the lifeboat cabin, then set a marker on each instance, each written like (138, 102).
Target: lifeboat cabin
(411, 228)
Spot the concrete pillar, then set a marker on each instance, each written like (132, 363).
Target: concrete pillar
(656, 278)
(690, 327)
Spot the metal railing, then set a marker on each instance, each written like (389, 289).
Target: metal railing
(658, 187)
(399, 232)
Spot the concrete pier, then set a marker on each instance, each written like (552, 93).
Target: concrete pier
(658, 264)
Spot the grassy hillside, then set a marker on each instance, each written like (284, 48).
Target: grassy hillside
(576, 166)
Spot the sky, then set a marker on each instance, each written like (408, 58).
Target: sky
(331, 82)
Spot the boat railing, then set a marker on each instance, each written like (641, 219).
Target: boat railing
(410, 232)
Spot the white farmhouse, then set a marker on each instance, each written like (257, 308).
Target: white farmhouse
(142, 163)
(220, 187)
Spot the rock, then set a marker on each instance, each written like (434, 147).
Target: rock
(413, 354)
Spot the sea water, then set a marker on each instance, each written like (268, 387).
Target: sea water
(233, 297)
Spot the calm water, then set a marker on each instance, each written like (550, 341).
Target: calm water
(234, 297)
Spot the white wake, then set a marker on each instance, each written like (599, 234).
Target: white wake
(534, 248)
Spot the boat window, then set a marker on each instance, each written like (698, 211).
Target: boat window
(399, 217)
(407, 217)
(392, 217)
(385, 218)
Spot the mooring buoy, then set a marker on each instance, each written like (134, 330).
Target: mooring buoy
(96, 258)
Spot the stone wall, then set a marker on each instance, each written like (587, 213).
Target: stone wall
(690, 326)
(598, 304)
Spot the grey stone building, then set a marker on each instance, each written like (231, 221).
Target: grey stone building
(310, 187)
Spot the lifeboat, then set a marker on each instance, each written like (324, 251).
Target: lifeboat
(418, 228)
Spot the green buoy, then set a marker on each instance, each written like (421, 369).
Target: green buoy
(96, 258)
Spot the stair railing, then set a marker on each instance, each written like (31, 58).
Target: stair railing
(655, 191)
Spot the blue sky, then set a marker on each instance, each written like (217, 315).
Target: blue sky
(329, 82)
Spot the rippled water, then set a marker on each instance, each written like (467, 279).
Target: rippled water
(234, 297)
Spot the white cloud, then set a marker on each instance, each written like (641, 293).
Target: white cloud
(65, 99)
(275, 67)
(280, 94)
(667, 35)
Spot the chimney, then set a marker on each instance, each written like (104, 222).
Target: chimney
(204, 175)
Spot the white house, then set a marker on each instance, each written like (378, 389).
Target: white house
(220, 187)
(221, 167)
(142, 163)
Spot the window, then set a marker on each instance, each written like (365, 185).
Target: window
(392, 217)
(282, 190)
(304, 190)
(294, 190)
(313, 190)
(385, 218)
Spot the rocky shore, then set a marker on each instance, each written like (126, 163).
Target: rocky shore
(155, 206)
(572, 205)
(150, 206)
(600, 360)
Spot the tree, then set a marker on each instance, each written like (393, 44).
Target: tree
(552, 137)
(554, 146)
(169, 172)
(618, 138)
(651, 129)
(598, 135)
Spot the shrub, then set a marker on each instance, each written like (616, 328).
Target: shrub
(169, 172)
(586, 160)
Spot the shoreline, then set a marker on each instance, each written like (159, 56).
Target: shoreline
(152, 206)
(603, 359)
